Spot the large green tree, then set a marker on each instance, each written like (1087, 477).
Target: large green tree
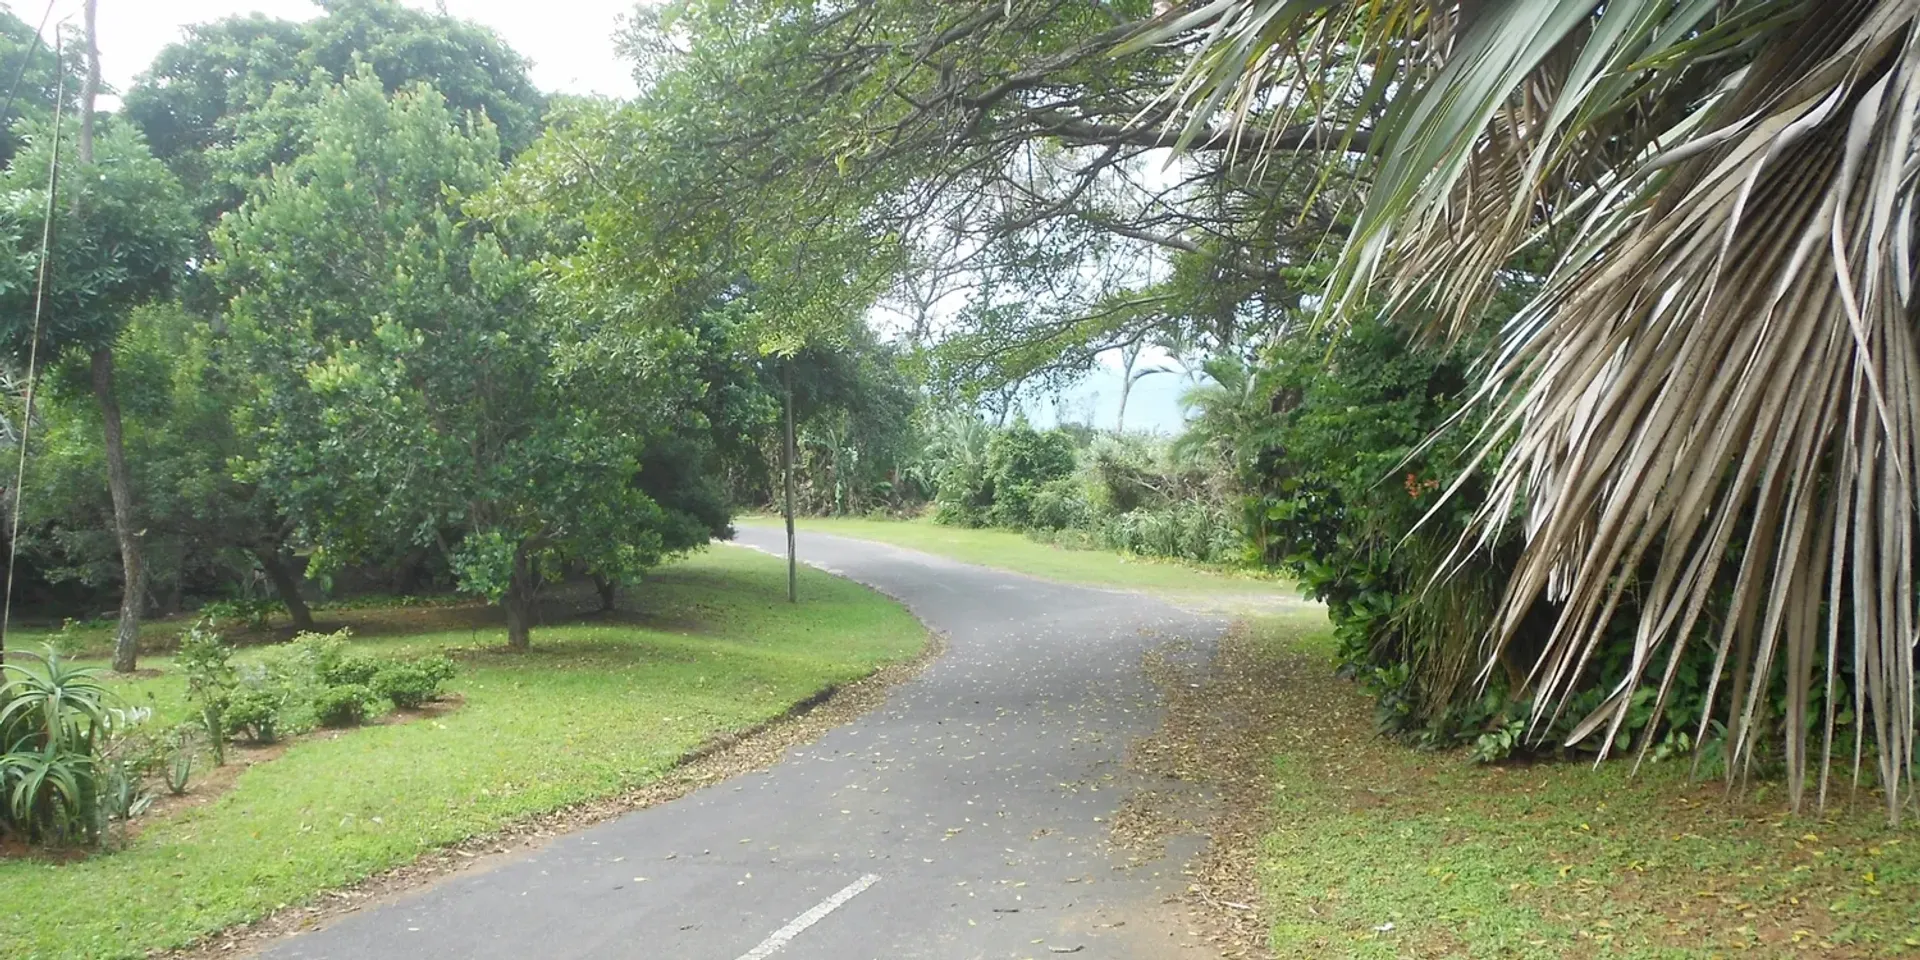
(976, 165)
(414, 387)
(120, 231)
(228, 101)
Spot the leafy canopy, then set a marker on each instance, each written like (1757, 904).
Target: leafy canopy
(409, 383)
(121, 233)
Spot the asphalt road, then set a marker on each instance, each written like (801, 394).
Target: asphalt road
(966, 818)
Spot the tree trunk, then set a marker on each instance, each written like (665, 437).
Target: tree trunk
(126, 641)
(793, 556)
(168, 605)
(286, 585)
(519, 601)
(607, 588)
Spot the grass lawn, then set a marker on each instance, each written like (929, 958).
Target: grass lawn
(1376, 850)
(382, 613)
(597, 707)
(1011, 550)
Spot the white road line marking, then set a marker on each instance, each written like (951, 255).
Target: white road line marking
(785, 935)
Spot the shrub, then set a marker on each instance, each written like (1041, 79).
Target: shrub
(440, 667)
(1195, 531)
(207, 664)
(54, 723)
(1020, 461)
(316, 657)
(410, 683)
(341, 706)
(1123, 475)
(983, 475)
(1344, 494)
(255, 712)
(252, 612)
(1061, 504)
(352, 670)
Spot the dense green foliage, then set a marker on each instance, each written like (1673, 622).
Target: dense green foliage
(413, 389)
(39, 77)
(1346, 489)
(206, 530)
(855, 436)
(1078, 488)
(121, 232)
(232, 99)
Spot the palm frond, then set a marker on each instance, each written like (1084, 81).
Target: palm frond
(1710, 413)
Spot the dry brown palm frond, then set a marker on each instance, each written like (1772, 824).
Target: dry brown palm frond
(1742, 369)
(1711, 411)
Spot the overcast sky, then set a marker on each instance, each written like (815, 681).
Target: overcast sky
(569, 41)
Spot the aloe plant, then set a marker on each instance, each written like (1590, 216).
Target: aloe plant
(54, 720)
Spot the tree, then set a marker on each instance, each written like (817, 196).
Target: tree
(36, 65)
(230, 100)
(1005, 141)
(121, 231)
(854, 404)
(1711, 408)
(204, 530)
(415, 388)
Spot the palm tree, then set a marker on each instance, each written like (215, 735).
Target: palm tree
(1714, 399)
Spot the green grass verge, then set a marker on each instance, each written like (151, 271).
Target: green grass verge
(1011, 550)
(1381, 851)
(594, 709)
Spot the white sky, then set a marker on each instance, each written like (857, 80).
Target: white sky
(569, 41)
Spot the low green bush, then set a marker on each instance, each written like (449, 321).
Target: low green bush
(341, 706)
(1192, 530)
(317, 658)
(313, 680)
(254, 712)
(1061, 504)
(1021, 461)
(352, 670)
(252, 612)
(410, 683)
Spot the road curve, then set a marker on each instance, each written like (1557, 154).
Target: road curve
(966, 818)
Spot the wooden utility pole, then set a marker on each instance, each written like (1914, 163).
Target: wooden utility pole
(90, 88)
(126, 640)
(793, 556)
